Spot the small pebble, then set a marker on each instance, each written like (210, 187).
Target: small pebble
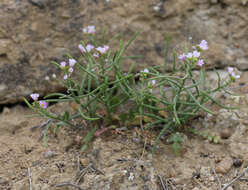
(237, 162)
(172, 172)
(226, 133)
(224, 166)
(3, 181)
(6, 111)
(49, 154)
(85, 161)
(131, 176)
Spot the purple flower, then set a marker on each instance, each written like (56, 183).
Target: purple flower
(230, 70)
(146, 71)
(103, 50)
(82, 49)
(43, 104)
(106, 47)
(153, 82)
(232, 73)
(96, 54)
(88, 48)
(72, 62)
(65, 77)
(182, 57)
(63, 64)
(196, 54)
(89, 30)
(70, 70)
(34, 96)
(189, 55)
(203, 45)
(200, 63)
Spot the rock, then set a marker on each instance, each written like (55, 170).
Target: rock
(224, 166)
(226, 133)
(31, 36)
(50, 154)
(237, 162)
(3, 181)
(85, 161)
(6, 111)
(172, 172)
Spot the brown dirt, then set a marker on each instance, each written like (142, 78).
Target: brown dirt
(115, 161)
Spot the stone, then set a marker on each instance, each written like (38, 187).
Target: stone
(50, 154)
(3, 181)
(224, 166)
(226, 133)
(237, 162)
(85, 161)
(31, 36)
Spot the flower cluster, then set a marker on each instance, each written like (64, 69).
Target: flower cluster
(193, 57)
(35, 97)
(89, 29)
(68, 69)
(89, 47)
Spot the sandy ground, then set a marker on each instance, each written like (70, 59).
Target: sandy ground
(118, 160)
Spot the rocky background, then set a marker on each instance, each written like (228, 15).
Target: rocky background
(35, 32)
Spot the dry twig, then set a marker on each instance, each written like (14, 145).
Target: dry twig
(216, 176)
(235, 179)
(162, 183)
(29, 179)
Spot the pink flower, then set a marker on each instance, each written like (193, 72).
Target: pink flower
(70, 70)
(34, 96)
(65, 77)
(89, 47)
(43, 104)
(182, 57)
(200, 63)
(203, 45)
(196, 54)
(103, 50)
(63, 64)
(72, 62)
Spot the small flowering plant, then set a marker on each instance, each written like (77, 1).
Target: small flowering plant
(102, 95)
